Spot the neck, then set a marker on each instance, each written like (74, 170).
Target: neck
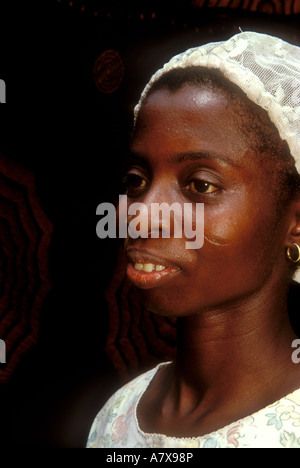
(230, 350)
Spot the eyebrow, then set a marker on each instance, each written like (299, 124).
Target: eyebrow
(198, 155)
(184, 157)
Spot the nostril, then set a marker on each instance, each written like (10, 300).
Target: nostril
(159, 231)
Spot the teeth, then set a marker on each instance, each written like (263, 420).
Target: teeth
(148, 267)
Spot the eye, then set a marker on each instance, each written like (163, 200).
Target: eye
(201, 187)
(134, 184)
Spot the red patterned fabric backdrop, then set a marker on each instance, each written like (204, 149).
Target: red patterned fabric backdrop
(286, 7)
(25, 234)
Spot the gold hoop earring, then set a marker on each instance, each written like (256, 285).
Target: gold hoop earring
(290, 255)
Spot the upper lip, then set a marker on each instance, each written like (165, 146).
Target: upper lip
(146, 256)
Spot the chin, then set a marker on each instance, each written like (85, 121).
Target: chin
(162, 304)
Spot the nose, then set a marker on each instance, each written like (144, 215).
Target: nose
(157, 215)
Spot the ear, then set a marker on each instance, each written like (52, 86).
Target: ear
(293, 232)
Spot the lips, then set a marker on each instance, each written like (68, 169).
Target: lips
(147, 270)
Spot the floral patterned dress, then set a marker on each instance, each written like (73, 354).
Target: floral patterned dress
(116, 425)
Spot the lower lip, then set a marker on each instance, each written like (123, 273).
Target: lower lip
(144, 280)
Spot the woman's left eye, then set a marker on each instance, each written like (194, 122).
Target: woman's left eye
(201, 187)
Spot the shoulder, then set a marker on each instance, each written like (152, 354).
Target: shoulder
(117, 417)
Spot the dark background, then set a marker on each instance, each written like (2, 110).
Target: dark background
(57, 124)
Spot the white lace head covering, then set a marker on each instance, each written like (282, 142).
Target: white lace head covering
(266, 68)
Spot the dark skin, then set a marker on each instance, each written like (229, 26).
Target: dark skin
(234, 336)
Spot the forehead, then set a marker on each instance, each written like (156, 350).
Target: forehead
(192, 118)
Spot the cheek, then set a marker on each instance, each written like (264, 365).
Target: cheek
(240, 221)
(242, 240)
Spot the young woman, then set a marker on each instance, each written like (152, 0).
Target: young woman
(218, 125)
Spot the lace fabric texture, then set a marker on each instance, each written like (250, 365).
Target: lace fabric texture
(117, 426)
(266, 68)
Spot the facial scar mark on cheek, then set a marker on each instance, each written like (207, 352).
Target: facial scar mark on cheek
(216, 241)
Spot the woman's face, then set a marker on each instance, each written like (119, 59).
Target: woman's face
(188, 147)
